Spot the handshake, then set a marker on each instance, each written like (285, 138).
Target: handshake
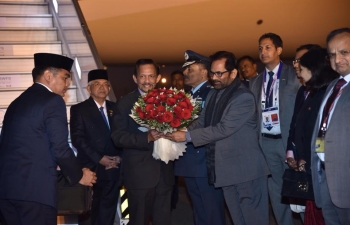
(176, 136)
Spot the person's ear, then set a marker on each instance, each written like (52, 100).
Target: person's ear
(47, 75)
(158, 78)
(233, 74)
(88, 88)
(279, 50)
(134, 78)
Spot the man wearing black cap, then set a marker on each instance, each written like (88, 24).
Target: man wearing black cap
(33, 142)
(208, 201)
(91, 136)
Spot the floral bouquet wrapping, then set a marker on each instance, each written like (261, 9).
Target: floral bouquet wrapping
(166, 110)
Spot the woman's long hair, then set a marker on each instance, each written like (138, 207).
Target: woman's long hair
(321, 71)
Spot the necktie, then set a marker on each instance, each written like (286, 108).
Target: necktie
(104, 116)
(330, 101)
(268, 102)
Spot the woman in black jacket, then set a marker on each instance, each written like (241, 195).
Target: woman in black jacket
(316, 73)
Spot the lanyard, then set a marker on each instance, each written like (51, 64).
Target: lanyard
(323, 127)
(273, 83)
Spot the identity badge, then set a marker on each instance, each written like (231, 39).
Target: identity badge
(320, 145)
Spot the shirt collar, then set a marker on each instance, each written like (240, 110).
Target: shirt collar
(346, 78)
(44, 86)
(198, 86)
(275, 70)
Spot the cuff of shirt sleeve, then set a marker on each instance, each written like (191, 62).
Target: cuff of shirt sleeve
(188, 137)
(289, 154)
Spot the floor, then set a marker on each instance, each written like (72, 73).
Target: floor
(182, 215)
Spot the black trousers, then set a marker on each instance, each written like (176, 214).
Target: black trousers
(104, 202)
(153, 202)
(14, 212)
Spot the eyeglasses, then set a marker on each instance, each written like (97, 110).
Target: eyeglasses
(296, 61)
(217, 73)
(100, 85)
(341, 54)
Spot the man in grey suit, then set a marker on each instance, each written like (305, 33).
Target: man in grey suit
(234, 159)
(330, 156)
(275, 90)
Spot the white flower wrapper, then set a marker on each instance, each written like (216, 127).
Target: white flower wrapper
(166, 150)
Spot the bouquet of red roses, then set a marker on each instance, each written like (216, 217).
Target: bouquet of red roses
(166, 110)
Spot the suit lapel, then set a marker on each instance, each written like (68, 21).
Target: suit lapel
(282, 85)
(109, 111)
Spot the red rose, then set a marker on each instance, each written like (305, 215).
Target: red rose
(153, 113)
(177, 109)
(186, 114)
(170, 101)
(177, 96)
(179, 115)
(175, 123)
(150, 100)
(170, 92)
(141, 115)
(157, 101)
(181, 94)
(182, 104)
(149, 107)
(148, 116)
(187, 101)
(138, 109)
(160, 108)
(190, 107)
(168, 116)
(154, 93)
(160, 118)
(162, 97)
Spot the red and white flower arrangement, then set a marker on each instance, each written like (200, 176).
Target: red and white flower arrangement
(166, 110)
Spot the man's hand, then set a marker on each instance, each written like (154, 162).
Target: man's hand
(292, 163)
(110, 161)
(89, 178)
(117, 161)
(154, 135)
(301, 165)
(177, 136)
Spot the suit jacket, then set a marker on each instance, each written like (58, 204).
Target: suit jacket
(337, 154)
(288, 88)
(92, 138)
(34, 141)
(140, 170)
(303, 123)
(238, 156)
(193, 163)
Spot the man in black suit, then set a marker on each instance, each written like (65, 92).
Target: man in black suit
(207, 201)
(33, 142)
(148, 181)
(90, 133)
